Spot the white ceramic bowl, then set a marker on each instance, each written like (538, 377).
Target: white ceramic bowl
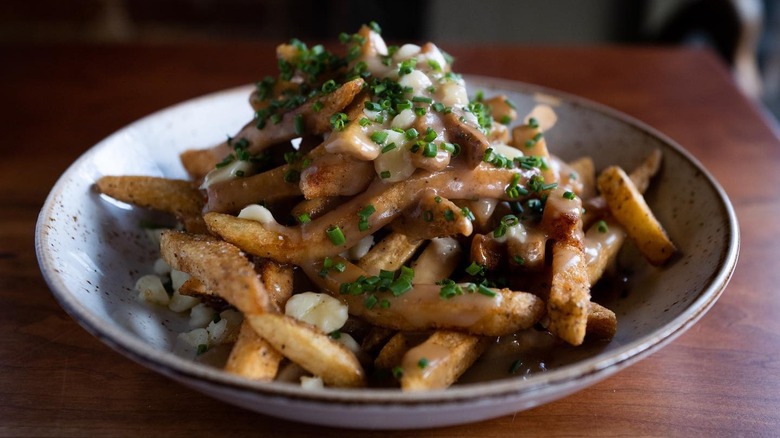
(92, 251)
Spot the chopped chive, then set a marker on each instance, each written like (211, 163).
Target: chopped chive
(365, 121)
(388, 148)
(601, 226)
(398, 372)
(317, 106)
(304, 218)
(437, 199)
(519, 260)
(298, 124)
(202, 348)
(422, 99)
(379, 137)
(370, 301)
(292, 176)
(484, 290)
(474, 269)
(336, 236)
(449, 215)
(385, 174)
(515, 367)
(411, 134)
(569, 195)
(430, 134)
(422, 363)
(533, 123)
(429, 150)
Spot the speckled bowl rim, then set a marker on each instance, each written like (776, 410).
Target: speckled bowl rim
(591, 369)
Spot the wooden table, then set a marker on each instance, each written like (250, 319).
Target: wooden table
(720, 378)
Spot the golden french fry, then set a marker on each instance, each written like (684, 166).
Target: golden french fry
(531, 141)
(569, 300)
(335, 175)
(585, 170)
(440, 360)
(252, 356)
(601, 244)
(434, 216)
(491, 312)
(178, 197)
(322, 236)
(473, 143)
(308, 347)
(389, 254)
(302, 120)
(277, 279)
(232, 195)
(437, 261)
(629, 208)
(602, 323)
(376, 338)
(194, 288)
(642, 174)
(393, 351)
(220, 266)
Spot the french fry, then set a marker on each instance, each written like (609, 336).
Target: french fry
(629, 208)
(389, 254)
(494, 312)
(177, 197)
(437, 261)
(569, 301)
(252, 356)
(314, 240)
(642, 174)
(602, 323)
(601, 243)
(308, 347)
(335, 175)
(434, 216)
(586, 174)
(302, 120)
(393, 351)
(440, 360)
(220, 266)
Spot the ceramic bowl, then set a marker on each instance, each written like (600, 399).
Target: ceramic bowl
(91, 251)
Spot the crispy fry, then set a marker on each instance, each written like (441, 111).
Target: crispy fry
(277, 279)
(252, 356)
(434, 216)
(440, 360)
(530, 140)
(601, 245)
(629, 208)
(642, 174)
(308, 347)
(220, 266)
(232, 195)
(311, 241)
(473, 143)
(335, 175)
(178, 197)
(389, 254)
(393, 351)
(421, 308)
(602, 323)
(194, 288)
(586, 174)
(199, 162)
(437, 261)
(569, 300)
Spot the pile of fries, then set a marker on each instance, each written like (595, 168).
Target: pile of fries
(373, 225)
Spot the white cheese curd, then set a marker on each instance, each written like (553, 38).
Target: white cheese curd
(312, 383)
(404, 120)
(417, 81)
(452, 93)
(150, 289)
(180, 303)
(516, 233)
(361, 248)
(217, 332)
(348, 341)
(506, 150)
(320, 310)
(397, 162)
(154, 235)
(405, 52)
(201, 315)
(161, 267)
(235, 169)
(178, 278)
(188, 343)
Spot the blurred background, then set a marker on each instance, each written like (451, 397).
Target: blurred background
(745, 33)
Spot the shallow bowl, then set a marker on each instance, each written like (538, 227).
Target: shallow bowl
(92, 251)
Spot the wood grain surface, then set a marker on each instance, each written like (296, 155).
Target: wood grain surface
(720, 378)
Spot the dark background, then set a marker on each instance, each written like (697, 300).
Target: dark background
(744, 32)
